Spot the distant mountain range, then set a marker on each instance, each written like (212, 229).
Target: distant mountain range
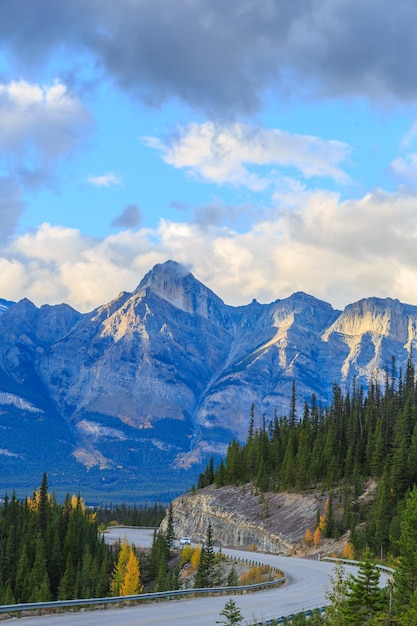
(129, 402)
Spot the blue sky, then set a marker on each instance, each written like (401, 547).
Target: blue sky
(271, 147)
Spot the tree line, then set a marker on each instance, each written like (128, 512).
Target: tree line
(51, 551)
(54, 551)
(145, 515)
(357, 436)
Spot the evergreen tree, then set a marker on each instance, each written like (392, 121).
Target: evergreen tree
(158, 559)
(38, 578)
(232, 578)
(364, 598)
(405, 577)
(231, 613)
(43, 505)
(206, 572)
(170, 534)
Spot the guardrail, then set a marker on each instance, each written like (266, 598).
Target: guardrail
(287, 618)
(160, 595)
(141, 597)
(383, 568)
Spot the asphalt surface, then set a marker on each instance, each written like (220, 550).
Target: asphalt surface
(307, 581)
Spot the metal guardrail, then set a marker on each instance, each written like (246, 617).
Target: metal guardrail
(287, 618)
(158, 595)
(383, 568)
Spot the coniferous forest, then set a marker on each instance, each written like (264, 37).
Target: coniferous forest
(51, 551)
(358, 437)
(339, 447)
(54, 551)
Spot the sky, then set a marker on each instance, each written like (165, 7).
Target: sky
(269, 146)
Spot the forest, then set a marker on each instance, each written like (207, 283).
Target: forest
(55, 551)
(336, 449)
(51, 550)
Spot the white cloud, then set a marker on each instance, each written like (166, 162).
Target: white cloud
(105, 180)
(405, 168)
(39, 123)
(235, 153)
(38, 126)
(336, 251)
(410, 137)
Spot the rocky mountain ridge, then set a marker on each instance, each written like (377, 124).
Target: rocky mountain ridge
(133, 398)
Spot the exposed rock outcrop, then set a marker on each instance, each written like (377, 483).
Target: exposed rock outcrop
(242, 518)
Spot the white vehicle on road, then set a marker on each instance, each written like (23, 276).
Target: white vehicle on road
(185, 541)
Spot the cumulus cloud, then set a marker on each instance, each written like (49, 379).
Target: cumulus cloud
(105, 180)
(358, 248)
(130, 217)
(226, 153)
(222, 56)
(39, 123)
(38, 126)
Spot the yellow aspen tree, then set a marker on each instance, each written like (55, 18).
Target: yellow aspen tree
(308, 538)
(317, 536)
(195, 559)
(348, 551)
(186, 554)
(119, 571)
(131, 583)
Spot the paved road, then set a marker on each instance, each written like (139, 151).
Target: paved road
(305, 589)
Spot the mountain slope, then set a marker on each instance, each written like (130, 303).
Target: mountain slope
(138, 393)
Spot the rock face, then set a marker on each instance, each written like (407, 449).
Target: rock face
(241, 518)
(135, 396)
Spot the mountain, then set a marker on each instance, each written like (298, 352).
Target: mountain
(4, 304)
(129, 401)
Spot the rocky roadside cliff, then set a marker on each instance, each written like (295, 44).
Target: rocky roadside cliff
(243, 518)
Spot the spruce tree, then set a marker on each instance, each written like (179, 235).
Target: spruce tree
(405, 577)
(206, 572)
(231, 613)
(170, 534)
(364, 597)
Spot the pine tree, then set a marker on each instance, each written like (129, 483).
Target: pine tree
(364, 597)
(67, 584)
(405, 577)
(170, 534)
(232, 614)
(38, 578)
(43, 505)
(205, 575)
(232, 578)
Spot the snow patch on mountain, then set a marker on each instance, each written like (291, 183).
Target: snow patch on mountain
(4, 305)
(96, 431)
(19, 403)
